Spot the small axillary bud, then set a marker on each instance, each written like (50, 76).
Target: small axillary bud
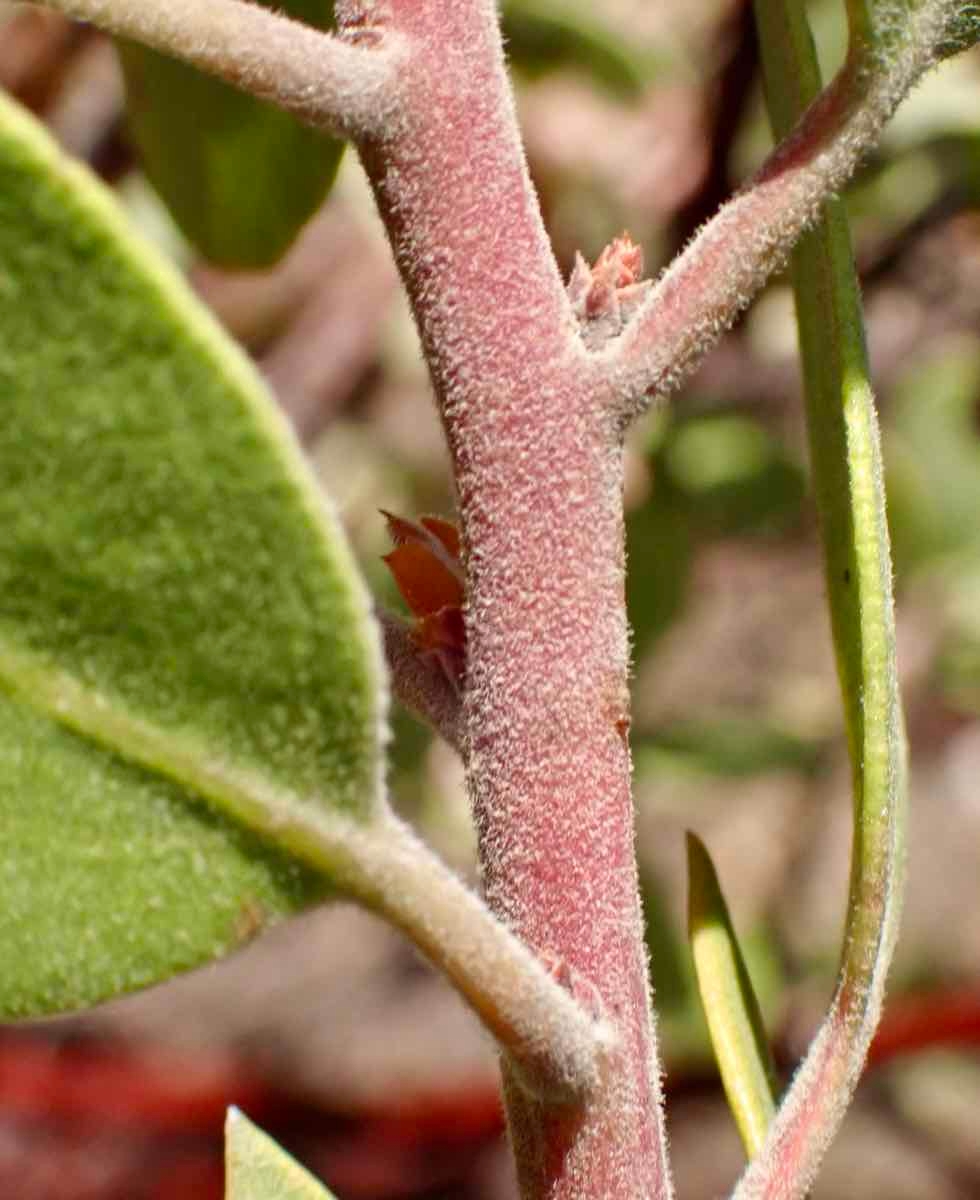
(606, 295)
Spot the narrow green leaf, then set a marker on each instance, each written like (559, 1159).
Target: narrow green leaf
(847, 477)
(240, 176)
(186, 650)
(730, 1005)
(849, 489)
(257, 1168)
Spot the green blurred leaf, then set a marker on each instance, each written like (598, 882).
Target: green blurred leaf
(658, 536)
(934, 455)
(950, 586)
(257, 1168)
(670, 973)
(713, 476)
(734, 477)
(240, 176)
(180, 618)
(542, 35)
(729, 746)
(730, 1005)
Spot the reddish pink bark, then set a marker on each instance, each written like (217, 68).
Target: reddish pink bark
(538, 471)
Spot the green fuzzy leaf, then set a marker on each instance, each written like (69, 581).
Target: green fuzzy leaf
(188, 668)
(257, 1168)
(240, 176)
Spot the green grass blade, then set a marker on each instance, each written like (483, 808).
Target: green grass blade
(729, 1001)
(257, 1168)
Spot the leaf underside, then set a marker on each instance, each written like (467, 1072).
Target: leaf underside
(179, 614)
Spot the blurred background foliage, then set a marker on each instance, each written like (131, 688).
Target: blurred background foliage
(638, 116)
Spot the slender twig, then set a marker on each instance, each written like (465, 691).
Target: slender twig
(418, 682)
(346, 87)
(848, 485)
(726, 264)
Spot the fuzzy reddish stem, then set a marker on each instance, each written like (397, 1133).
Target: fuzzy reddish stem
(538, 472)
(707, 285)
(750, 237)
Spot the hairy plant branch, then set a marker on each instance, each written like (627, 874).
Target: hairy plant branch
(418, 682)
(726, 264)
(343, 87)
(539, 485)
(554, 1046)
(543, 724)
